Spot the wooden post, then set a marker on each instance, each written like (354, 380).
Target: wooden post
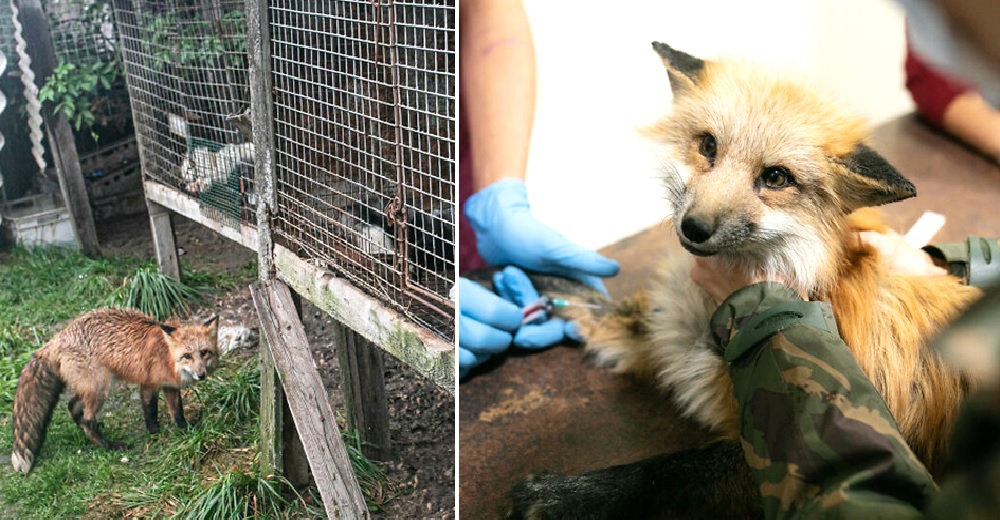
(262, 126)
(307, 401)
(271, 416)
(164, 243)
(293, 452)
(363, 370)
(62, 144)
(281, 448)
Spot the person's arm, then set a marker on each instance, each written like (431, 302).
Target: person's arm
(953, 106)
(819, 439)
(970, 118)
(498, 88)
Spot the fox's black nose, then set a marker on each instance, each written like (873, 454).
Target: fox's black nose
(696, 230)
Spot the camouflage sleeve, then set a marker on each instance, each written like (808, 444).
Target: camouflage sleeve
(975, 261)
(972, 344)
(817, 435)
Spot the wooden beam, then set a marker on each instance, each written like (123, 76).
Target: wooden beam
(271, 418)
(164, 243)
(62, 143)
(423, 351)
(262, 125)
(363, 371)
(190, 208)
(308, 401)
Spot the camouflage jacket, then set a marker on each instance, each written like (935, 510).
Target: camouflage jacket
(817, 435)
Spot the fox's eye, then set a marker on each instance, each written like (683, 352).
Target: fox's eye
(206, 353)
(776, 177)
(187, 357)
(707, 148)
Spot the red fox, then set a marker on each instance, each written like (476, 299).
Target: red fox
(766, 176)
(87, 356)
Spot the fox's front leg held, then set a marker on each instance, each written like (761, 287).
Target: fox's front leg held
(175, 406)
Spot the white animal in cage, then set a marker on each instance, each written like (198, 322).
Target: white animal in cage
(237, 337)
(202, 167)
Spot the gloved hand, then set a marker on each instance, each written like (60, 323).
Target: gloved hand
(488, 324)
(508, 234)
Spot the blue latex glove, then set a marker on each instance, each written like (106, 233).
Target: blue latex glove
(508, 234)
(488, 324)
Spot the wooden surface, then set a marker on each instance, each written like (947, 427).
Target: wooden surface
(161, 227)
(271, 419)
(190, 208)
(262, 104)
(307, 400)
(363, 371)
(423, 351)
(554, 411)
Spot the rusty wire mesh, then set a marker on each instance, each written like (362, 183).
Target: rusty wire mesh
(186, 64)
(364, 119)
(364, 105)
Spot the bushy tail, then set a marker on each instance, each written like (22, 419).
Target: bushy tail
(38, 391)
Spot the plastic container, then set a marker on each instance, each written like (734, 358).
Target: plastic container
(38, 220)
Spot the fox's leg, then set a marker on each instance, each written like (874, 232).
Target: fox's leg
(75, 406)
(175, 406)
(710, 482)
(150, 397)
(93, 400)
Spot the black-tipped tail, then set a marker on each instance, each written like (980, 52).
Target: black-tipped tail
(38, 391)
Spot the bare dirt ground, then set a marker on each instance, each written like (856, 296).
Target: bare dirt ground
(422, 416)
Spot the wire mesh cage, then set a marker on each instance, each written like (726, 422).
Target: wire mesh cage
(364, 104)
(187, 67)
(364, 107)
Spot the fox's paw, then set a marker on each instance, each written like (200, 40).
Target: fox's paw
(117, 446)
(552, 496)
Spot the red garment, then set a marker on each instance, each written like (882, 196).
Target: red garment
(468, 255)
(932, 90)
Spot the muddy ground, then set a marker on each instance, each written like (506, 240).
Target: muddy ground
(422, 416)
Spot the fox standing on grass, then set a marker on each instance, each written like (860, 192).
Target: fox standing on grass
(87, 356)
(770, 180)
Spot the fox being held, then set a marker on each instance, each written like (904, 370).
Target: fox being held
(89, 354)
(769, 178)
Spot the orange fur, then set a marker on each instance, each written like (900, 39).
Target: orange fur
(804, 232)
(89, 354)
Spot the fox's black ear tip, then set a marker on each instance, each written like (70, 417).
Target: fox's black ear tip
(661, 47)
(211, 321)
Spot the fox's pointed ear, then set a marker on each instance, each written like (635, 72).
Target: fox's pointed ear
(871, 180)
(213, 321)
(682, 67)
(167, 328)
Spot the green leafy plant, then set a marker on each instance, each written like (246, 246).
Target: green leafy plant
(76, 89)
(154, 293)
(239, 494)
(192, 42)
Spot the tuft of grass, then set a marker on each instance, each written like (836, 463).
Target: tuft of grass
(239, 494)
(239, 395)
(374, 483)
(155, 294)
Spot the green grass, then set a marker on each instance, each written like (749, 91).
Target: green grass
(156, 476)
(208, 471)
(154, 293)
